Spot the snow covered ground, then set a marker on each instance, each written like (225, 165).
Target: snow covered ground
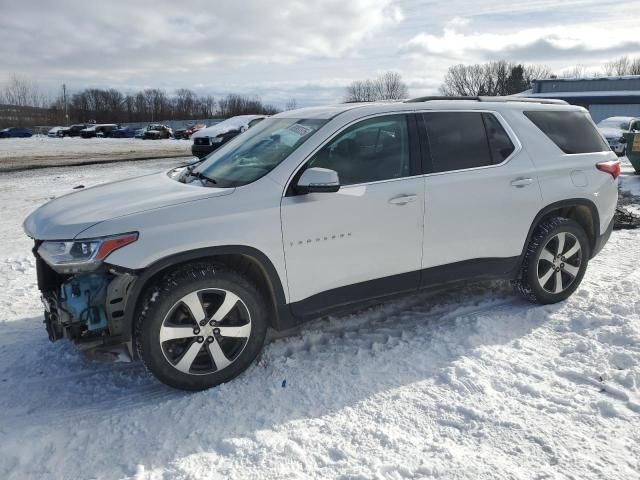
(629, 181)
(37, 150)
(469, 383)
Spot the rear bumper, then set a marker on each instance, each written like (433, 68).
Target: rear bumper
(601, 240)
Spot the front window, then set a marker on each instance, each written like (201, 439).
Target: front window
(256, 152)
(372, 150)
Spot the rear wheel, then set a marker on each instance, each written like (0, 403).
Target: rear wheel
(201, 327)
(555, 261)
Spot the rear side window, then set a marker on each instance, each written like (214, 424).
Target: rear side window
(572, 132)
(457, 140)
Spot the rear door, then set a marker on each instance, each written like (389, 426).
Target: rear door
(481, 193)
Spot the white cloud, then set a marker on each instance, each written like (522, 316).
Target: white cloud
(297, 48)
(528, 44)
(163, 34)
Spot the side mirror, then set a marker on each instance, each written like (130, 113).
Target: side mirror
(318, 180)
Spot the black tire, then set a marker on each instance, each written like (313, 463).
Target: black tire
(529, 283)
(161, 299)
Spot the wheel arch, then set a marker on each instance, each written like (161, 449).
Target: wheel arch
(581, 210)
(248, 261)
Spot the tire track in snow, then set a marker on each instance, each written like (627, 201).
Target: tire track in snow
(394, 321)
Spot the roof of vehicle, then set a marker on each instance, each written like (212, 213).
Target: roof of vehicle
(430, 103)
(226, 125)
(95, 125)
(618, 119)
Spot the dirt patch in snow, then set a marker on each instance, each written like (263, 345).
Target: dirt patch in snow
(42, 152)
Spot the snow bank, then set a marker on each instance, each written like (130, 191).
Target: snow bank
(470, 383)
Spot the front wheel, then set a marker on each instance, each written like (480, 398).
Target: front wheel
(555, 261)
(201, 327)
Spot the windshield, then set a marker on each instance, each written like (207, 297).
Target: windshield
(256, 152)
(624, 125)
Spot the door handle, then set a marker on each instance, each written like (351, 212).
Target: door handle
(402, 199)
(521, 182)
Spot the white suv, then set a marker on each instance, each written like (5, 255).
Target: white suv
(320, 209)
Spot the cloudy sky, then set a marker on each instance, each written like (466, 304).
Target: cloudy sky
(307, 50)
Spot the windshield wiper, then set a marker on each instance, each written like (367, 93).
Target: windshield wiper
(201, 176)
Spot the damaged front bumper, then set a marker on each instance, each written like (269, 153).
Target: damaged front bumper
(86, 308)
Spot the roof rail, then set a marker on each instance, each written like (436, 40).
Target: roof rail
(440, 97)
(548, 101)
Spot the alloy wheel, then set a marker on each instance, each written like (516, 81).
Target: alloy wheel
(559, 263)
(205, 331)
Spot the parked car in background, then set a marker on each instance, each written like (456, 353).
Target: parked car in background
(14, 132)
(140, 133)
(124, 132)
(208, 139)
(99, 130)
(72, 131)
(157, 132)
(53, 133)
(185, 133)
(614, 128)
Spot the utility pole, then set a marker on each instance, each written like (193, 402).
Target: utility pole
(64, 101)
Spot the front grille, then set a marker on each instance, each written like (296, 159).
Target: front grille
(201, 141)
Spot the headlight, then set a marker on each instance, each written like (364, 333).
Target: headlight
(82, 255)
(216, 139)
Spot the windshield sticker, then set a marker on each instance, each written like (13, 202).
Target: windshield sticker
(299, 130)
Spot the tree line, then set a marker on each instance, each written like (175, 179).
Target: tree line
(508, 78)
(23, 103)
(483, 79)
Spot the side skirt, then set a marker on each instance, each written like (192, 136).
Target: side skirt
(360, 295)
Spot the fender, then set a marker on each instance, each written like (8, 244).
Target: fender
(282, 319)
(568, 203)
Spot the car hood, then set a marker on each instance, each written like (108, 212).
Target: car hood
(69, 215)
(611, 132)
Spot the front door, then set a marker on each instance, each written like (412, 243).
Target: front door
(366, 239)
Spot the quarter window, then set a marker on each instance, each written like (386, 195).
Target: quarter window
(457, 140)
(499, 142)
(369, 151)
(572, 132)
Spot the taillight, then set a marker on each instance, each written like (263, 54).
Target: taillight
(612, 167)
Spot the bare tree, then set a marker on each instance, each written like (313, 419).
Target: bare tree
(618, 66)
(360, 91)
(622, 66)
(536, 72)
(465, 80)
(489, 79)
(578, 71)
(291, 104)
(234, 104)
(388, 86)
